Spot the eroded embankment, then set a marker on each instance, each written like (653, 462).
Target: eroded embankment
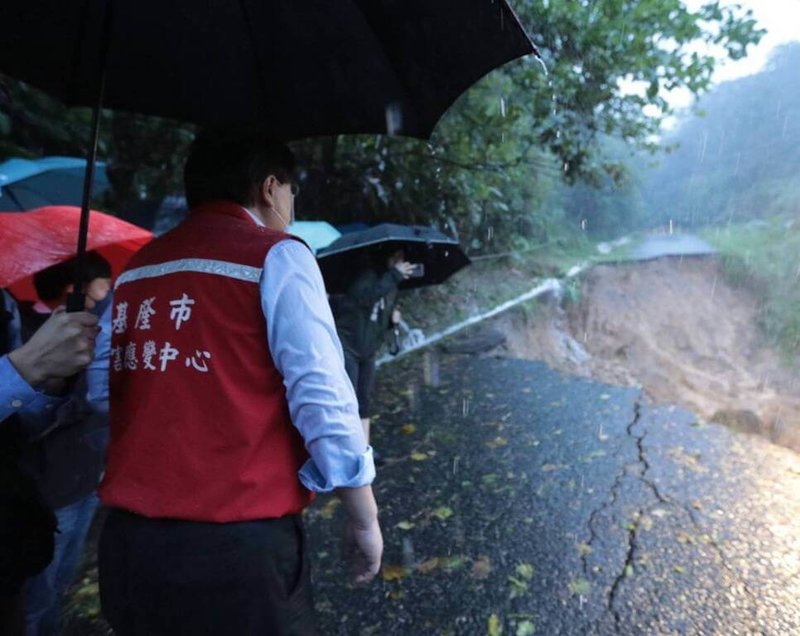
(674, 327)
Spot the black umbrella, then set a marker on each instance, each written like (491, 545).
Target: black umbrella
(296, 68)
(440, 255)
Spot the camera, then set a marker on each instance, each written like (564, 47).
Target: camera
(418, 271)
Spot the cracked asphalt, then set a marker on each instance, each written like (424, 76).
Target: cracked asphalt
(517, 500)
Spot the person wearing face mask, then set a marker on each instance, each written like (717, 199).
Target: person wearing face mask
(230, 406)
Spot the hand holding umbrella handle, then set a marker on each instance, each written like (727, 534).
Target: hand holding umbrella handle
(76, 301)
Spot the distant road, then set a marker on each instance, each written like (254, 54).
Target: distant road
(674, 245)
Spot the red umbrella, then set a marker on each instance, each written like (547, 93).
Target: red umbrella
(32, 241)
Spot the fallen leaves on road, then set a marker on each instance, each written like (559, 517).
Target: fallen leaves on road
(393, 572)
(497, 442)
(481, 568)
(442, 512)
(580, 587)
(329, 509)
(493, 625)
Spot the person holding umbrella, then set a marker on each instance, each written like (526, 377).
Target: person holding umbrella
(63, 346)
(67, 460)
(363, 316)
(230, 406)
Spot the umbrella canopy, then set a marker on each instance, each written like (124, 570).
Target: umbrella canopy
(296, 68)
(27, 184)
(32, 241)
(342, 260)
(317, 234)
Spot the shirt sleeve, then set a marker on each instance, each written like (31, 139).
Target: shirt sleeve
(19, 397)
(307, 352)
(97, 371)
(16, 395)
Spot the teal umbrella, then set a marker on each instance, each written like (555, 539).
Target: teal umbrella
(318, 234)
(26, 184)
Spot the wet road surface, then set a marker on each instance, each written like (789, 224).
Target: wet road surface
(520, 501)
(671, 245)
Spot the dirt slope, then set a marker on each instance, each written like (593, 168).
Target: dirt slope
(677, 329)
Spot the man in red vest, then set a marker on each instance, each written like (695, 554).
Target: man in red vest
(229, 406)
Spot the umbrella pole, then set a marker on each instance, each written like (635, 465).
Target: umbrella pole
(76, 299)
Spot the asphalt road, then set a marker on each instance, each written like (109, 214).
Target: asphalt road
(520, 501)
(671, 245)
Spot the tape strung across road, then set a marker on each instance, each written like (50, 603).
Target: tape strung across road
(548, 285)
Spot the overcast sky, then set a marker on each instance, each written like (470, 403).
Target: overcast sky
(781, 19)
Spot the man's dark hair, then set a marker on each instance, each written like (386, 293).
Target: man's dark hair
(231, 166)
(51, 283)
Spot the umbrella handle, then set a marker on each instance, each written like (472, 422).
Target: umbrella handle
(75, 300)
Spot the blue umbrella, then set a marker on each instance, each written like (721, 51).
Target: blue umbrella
(317, 234)
(27, 184)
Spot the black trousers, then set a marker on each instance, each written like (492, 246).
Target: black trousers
(361, 371)
(163, 577)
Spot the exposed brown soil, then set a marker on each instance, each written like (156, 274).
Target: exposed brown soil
(675, 328)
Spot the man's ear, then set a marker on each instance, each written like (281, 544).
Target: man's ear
(266, 193)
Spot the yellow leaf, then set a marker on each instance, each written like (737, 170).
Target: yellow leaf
(405, 525)
(409, 429)
(494, 626)
(419, 457)
(584, 549)
(442, 512)
(428, 566)
(526, 628)
(580, 587)
(497, 442)
(327, 511)
(393, 572)
(525, 570)
(549, 468)
(481, 568)
(452, 563)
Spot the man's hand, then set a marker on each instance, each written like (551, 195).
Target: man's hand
(363, 548)
(405, 268)
(363, 543)
(62, 346)
(396, 316)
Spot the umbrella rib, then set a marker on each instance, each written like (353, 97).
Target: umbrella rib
(14, 198)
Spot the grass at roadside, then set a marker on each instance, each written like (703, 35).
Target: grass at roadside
(764, 257)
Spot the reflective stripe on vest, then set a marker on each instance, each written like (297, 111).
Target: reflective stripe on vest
(198, 265)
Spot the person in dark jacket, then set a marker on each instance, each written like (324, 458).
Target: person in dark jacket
(61, 348)
(66, 460)
(363, 316)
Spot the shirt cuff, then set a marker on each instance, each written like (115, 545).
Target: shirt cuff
(360, 472)
(18, 395)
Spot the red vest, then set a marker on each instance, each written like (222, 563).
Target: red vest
(200, 426)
